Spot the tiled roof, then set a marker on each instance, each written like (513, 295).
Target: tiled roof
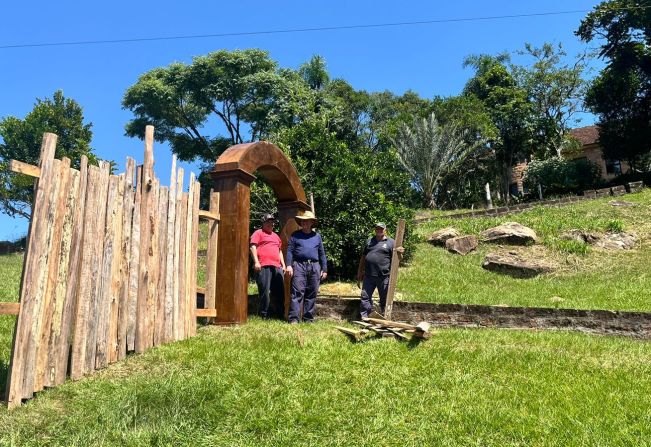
(586, 135)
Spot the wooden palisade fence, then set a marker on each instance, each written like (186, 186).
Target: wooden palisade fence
(110, 267)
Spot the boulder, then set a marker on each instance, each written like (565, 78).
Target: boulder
(617, 241)
(580, 236)
(515, 265)
(510, 233)
(439, 237)
(461, 244)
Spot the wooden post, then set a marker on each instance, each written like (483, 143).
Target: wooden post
(211, 258)
(393, 275)
(489, 200)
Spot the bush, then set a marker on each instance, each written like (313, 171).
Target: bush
(559, 176)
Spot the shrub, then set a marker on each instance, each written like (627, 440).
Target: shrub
(559, 176)
(615, 226)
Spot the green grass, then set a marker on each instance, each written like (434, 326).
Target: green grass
(271, 384)
(586, 278)
(10, 270)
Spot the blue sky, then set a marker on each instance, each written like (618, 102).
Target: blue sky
(423, 58)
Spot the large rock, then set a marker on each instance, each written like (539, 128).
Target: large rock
(514, 265)
(580, 236)
(439, 237)
(510, 233)
(462, 244)
(617, 241)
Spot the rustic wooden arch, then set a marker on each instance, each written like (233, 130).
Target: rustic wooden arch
(232, 177)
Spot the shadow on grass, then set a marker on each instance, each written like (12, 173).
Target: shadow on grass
(4, 371)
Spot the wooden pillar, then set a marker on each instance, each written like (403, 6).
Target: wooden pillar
(231, 298)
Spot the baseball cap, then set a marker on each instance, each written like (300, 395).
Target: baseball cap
(266, 217)
(381, 225)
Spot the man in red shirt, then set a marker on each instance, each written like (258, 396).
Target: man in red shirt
(269, 266)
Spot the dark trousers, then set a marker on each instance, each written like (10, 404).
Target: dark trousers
(369, 286)
(271, 289)
(305, 286)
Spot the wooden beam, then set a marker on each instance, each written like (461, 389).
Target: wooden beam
(390, 324)
(206, 312)
(208, 215)
(24, 168)
(395, 262)
(201, 290)
(9, 308)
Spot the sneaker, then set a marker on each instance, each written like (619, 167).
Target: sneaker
(293, 322)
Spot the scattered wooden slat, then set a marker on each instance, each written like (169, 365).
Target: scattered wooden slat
(20, 167)
(208, 215)
(74, 273)
(211, 258)
(395, 263)
(206, 313)
(363, 324)
(388, 323)
(9, 308)
(356, 335)
(21, 340)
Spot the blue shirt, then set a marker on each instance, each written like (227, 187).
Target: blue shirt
(306, 247)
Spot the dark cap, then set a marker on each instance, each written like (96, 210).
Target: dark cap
(381, 225)
(266, 217)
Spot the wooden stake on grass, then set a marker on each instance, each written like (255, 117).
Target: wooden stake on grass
(395, 261)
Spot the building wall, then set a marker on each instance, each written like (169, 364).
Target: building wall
(594, 153)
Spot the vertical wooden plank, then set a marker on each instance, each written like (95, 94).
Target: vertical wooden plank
(97, 271)
(177, 253)
(125, 254)
(57, 340)
(54, 256)
(145, 241)
(188, 256)
(40, 296)
(192, 313)
(117, 276)
(171, 253)
(211, 258)
(21, 340)
(163, 204)
(182, 298)
(72, 283)
(134, 264)
(393, 275)
(153, 267)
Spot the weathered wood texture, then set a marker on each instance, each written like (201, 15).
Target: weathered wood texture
(110, 267)
(395, 261)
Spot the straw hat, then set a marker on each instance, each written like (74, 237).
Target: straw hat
(307, 215)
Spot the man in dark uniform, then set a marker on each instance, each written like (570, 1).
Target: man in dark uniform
(374, 269)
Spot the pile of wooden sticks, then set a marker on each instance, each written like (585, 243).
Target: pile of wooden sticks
(380, 327)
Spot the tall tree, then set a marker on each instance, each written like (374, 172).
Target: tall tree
(509, 107)
(22, 141)
(555, 89)
(429, 151)
(621, 94)
(314, 72)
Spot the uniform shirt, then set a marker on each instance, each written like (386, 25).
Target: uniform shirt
(268, 248)
(378, 256)
(306, 247)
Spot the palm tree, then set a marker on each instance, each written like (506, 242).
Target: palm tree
(430, 151)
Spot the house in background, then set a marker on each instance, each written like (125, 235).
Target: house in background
(591, 150)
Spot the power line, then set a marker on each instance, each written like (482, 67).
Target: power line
(304, 30)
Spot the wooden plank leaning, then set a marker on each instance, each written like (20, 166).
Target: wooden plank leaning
(395, 263)
(22, 330)
(58, 212)
(72, 283)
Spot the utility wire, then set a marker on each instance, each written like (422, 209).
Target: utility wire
(305, 30)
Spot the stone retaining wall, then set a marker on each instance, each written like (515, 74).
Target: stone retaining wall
(552, 203)
(630, 324)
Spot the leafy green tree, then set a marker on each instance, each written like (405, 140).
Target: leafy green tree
(621, 95)
(429, 151)
(555, 90)
(509, 107)
(314, 72)
(556, 175)
(22, 141)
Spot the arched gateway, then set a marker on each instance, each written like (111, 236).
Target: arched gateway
(232, 177)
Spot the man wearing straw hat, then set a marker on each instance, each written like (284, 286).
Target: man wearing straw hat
(307, 266)
(269, 266)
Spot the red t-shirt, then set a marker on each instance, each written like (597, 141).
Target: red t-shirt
(268, 247)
